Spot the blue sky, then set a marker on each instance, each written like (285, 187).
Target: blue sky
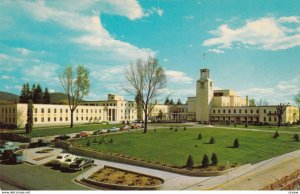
(250, 46)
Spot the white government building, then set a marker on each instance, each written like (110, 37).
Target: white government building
(209, 105)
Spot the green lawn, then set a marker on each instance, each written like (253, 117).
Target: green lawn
(170, 147)
(42, 132)
(267, 128)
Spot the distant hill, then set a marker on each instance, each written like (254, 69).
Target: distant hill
(6, 97)
(55, 98)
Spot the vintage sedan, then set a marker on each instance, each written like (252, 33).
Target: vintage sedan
(81, 163)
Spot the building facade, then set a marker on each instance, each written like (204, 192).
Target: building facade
(208, 106)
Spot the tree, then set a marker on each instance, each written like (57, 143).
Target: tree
(160, 115)
(171, 102)
(252, 102)
(214, 159)
(276, 135)
(167, 101)
(297, 100)
(139, 105)
(38, 95)
(280, 109)
(46, 97)
(25, 94)
(76, 85)
(179, 102)
(296, 137)
(147, 79)
(205, 161)
(212, 140)
(190, 162)
(262, 102)
(236, 143)
(32, 92)
(200, 136)
(29, 123)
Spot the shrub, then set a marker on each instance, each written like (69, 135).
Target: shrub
(171, 128)
(155, 130)
(234, 125)
(184, 128)
(214, 159)
(95, 140)
(276, 135)
(190, 162)
(123, 122)
(205, 161)
(246, 125)
(296, 137)
(212, 140)
(128, 123)
(176, 129)
(100, 141)
(111, 140)
(200, 136)
(88, 143)
(236, 143)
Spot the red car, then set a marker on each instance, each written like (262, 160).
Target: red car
(84, 134)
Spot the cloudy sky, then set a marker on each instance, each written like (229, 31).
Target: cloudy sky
(250, 46)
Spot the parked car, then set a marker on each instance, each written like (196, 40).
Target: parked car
(39, 143)
(84, 134)
(81, 163)
(125, 127)
(114, 129)
(60, 159)
(69, 160)
(16, 158)
(103, 131)
(8, 146)
(62, 137)
(96, 132)
(135, 126)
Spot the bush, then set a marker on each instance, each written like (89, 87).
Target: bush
(111, 140)
(276, 135)
(205, 161)
(184, 128)
(88, 143)
(214, 159)
(155, 130)
(296, 137)
(95, 140)
(176, 129)
(128, 123)
(234, 125)
(123, 122)
(190, 162)
(200, 136)
(246, 125)
(212, 140)
(236, 143)
(100, 141)
(171, 128)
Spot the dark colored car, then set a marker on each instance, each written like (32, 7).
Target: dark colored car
(62, 137)
(81, 163)
(16, 158)
(39, 143)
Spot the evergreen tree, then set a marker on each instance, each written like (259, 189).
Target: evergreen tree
(167, 101)
(29, 123)
(171, 102)
(32, 92)
(276, 135)
(200, 136)
(22, 95)
(27, 93)
(46, 97)
(296, 137)
(205, 161)
(38, 95)
(190, 162)
(88, 143)
(214, 159)
(212, 140)
(236, 143)
(179, 102)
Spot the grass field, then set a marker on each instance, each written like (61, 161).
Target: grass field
(267, 128)
(170, 147)
(49, 131)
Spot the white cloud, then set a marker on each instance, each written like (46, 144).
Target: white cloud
(6, 77)
(290, 19)
(218, 51)
(153, 10)
(46, 73)
(189, 17)
(265, 33)
(177, 77)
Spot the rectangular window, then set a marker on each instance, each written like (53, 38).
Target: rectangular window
(35, 110)
(42, 110)
(82, 118)
(234, 111)
(66, 110)
(13, 110)
(35, 119)
(49, 110)
(76, 110)
(61, 110)
(257, 111)
(219, 111)
(265, 119)
(86, 118)
(81, 110)
(265, 111)
(60, 118)
(275, 119)
(246, 111)
(99, 110)
(49, 119)
(42, 119)
(91, 110)
(96, 111)
(66, 118)
(87, 110)
(229, 111)
(54, 118)
(214, 111)
(251, 111)
(270, 119)
(223, 111)
(76, 118)
(240, 111)
(55, 110)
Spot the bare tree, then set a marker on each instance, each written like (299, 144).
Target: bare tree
(146, 79)
(262, 102)
(280, 109)
(76, 85)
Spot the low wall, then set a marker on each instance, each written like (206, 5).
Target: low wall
(289, 182)
(117, 158)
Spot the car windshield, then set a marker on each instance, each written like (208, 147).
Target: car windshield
(59, 157)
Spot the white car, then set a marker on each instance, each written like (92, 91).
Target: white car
(69, 160)
(103, 131)
(60, 159)
(114, 129)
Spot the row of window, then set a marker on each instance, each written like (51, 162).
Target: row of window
(10, 120)
(42, 119)
(8, 110)
(61, 110)
(270, 119)
(240, 111)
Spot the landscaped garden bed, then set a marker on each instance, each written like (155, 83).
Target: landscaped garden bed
(123, 179)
